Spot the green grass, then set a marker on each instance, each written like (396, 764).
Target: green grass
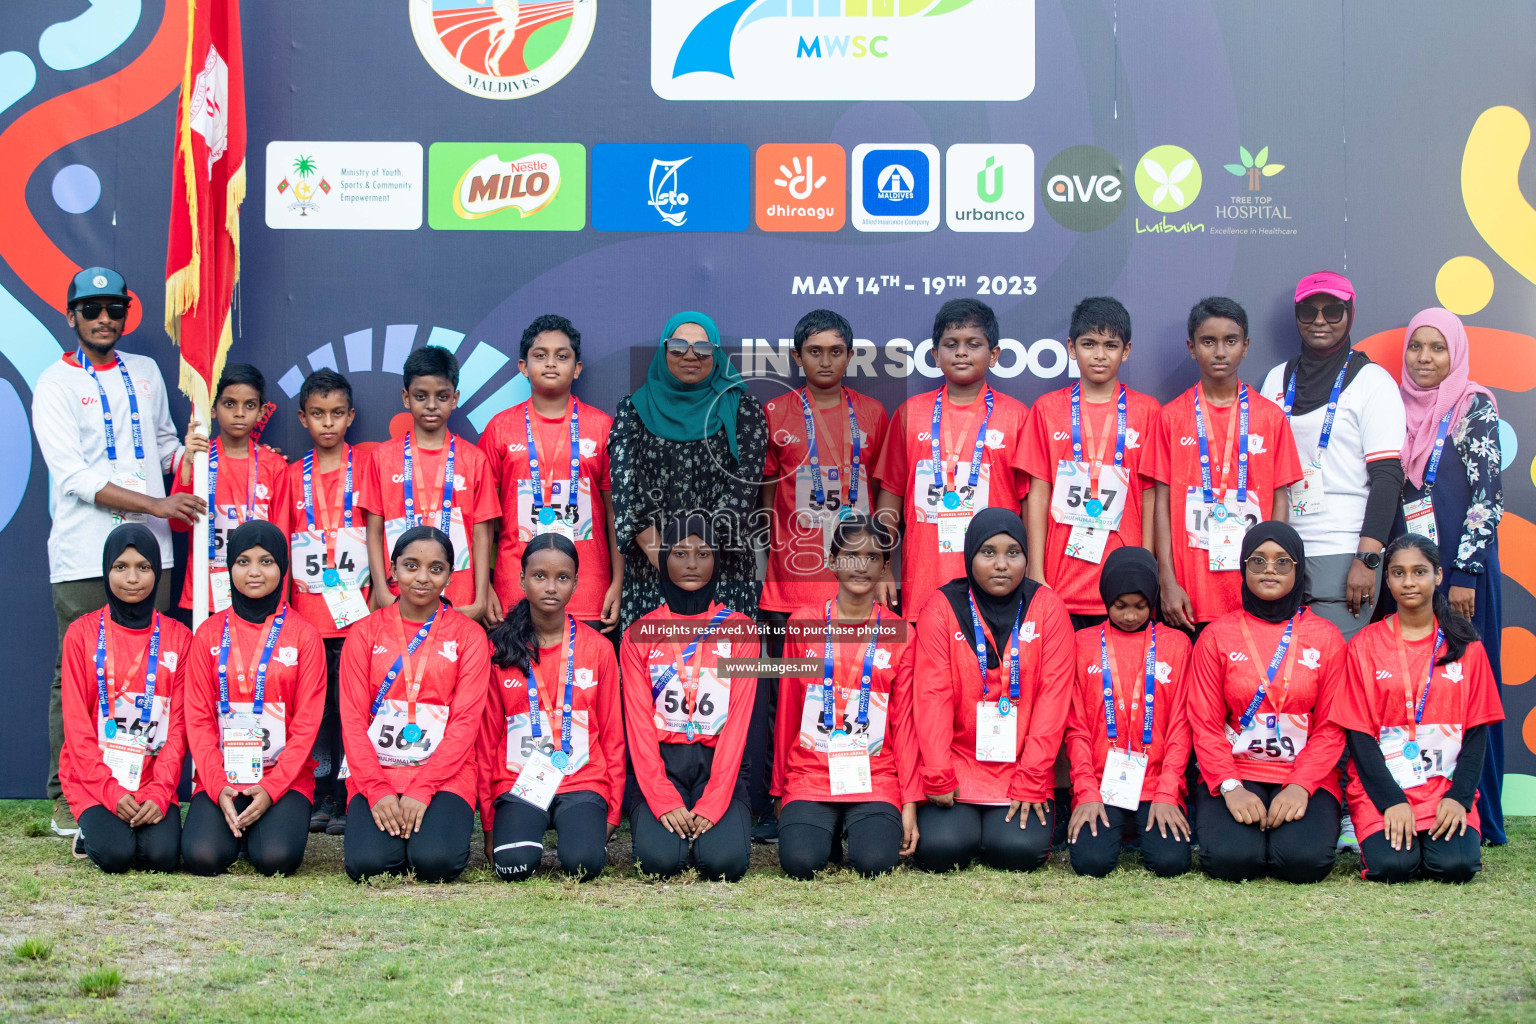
(32, 949)
(977, 946)
(101, 983)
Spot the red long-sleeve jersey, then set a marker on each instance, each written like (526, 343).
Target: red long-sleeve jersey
(86, 779)
(948, 684)
(800, 763)
(720, 707)
(1372, 700)
(295, 694)
(1292, 739)
(235, 503)
(1088, 730)
(597, 724)
(452, 666)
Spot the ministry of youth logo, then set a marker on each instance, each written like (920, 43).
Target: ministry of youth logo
(667, 197)
(502, 49)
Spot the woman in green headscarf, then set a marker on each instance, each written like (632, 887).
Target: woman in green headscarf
(689, 440)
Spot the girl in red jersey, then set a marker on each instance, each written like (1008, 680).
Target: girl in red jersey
(413, 681)
(551, 751)
(123, 733)
(1128, 731)
(686, 720)
(990, 704)
(253, 701)
(1262, 686)
(1417, 703)
(847, 762)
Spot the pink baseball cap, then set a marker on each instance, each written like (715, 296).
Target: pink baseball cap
(1325, 282)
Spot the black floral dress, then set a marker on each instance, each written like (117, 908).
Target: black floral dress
(656, 480)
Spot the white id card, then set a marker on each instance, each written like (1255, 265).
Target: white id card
(1307, 495)
(345, 605)
(270, 727)
(997, 734)
(1420, 517)
(125, 757)
(1224, 542)
(1124, 773)
(242, 756)
(848, 764)
(539, 780)
(218, 579)
(1087, 545)
(129, 482)
(1406, 772)
(1072, 498)
(952, 527)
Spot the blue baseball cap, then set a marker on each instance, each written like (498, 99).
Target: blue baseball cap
(95, 283)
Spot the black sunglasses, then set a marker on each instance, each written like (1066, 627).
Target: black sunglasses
(92, 310)
(1306, 313)
(680, 347)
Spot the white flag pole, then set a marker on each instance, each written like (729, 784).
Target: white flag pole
(198, 537)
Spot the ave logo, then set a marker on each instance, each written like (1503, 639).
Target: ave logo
(1084, 188)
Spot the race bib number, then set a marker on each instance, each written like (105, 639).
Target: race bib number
(308, 559)
(707, 713)
(814, 734)
(243, 763)
(394, 529)
(1198, 515)
(1270, 739)
(129, 481)
(125, 757)
(129, 728)
(388, 732)
(1073, 502)
(271, 727)
(539, 781)
(1420, 518)
(1438, 747)
(848, 765)
(572, 520)
(928, 497)
(1124, 773)
(997, 734)
(1307, 495)
(521, 744)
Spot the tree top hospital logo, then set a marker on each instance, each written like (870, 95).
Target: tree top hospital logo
(1168, 178)
(791, 50)
(502, 49)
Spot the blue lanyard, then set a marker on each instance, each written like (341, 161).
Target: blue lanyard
(1150, 683)
(445, 513)
(394, 670)
(309, 491)
(818, 493)
(548, 516)
(1418, 709)
(1003, 703)
(570, 693)
(1269, 675)
(1242, 450)
(951, 499)
(828, 705)
(672, 670)
(259, 697)
(1121, 410)
(1433, 469)
(1326, 434)
(151, 668)
(106, 409)
(213, 490)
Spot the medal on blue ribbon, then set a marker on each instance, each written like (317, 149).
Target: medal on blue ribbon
(110, 728)
(411, 733)
(1411, 750)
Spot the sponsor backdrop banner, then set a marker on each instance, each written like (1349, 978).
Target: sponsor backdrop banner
(441, 171)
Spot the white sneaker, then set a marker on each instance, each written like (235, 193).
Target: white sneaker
(1347, 840)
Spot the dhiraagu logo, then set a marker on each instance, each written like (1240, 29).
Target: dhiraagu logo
(1168, 178)
(841, 49)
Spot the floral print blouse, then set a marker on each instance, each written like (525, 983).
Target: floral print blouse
(1476, 440)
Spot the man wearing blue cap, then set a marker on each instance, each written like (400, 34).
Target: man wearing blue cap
(104, 426)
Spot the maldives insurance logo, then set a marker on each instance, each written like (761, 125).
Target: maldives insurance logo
(502, 49)
(841, 49)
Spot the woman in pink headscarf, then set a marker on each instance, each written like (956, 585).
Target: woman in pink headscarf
(1453, 494)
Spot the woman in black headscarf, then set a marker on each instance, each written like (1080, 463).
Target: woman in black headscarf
(123, 736)
(1346, 502)
(1262, 683)
(1128, 732)
(254, 697)
(686, 719)
(991, 687)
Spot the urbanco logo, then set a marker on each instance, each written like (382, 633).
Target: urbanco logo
(788, 50)
(989, 187)
(1168, 178)
(502, 49)
(1083, 188)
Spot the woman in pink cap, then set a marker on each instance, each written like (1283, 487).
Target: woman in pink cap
(1348, 423)
(1455, 497)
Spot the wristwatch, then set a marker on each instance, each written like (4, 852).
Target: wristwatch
(1372, 559)
(1228, 785)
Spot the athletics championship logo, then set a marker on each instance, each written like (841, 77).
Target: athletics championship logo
(502, 49)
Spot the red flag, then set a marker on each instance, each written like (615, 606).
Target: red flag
(202, 260)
